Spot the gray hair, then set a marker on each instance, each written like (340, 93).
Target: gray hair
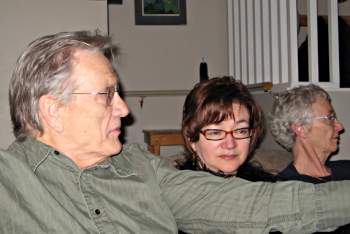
(44, 68)
(293, 106)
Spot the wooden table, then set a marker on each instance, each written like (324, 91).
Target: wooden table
(155, 138)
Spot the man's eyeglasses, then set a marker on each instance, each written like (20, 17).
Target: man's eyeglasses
(330, 117)
(219, 134)
(109, 93)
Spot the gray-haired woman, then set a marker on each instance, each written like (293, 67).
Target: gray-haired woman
(303, 121)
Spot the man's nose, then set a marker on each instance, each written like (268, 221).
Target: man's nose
(120, 108)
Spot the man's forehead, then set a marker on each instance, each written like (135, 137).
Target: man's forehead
(93, 66)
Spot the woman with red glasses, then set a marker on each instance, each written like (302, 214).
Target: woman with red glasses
(221, 126)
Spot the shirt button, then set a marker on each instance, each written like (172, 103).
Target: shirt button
(97, 211)
(56, 152)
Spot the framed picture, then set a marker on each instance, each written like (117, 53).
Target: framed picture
(160, 12)
(114, 1)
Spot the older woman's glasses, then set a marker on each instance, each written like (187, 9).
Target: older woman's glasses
(109, 93)
(330, 117)
(219, 134)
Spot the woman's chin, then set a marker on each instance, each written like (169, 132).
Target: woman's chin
(229, 171)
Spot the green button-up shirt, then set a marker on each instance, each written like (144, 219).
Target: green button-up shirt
(43, 191)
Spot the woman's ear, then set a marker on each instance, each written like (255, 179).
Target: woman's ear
(298, 129)
(193, 146)
(49, 113)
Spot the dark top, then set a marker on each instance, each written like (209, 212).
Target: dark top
(340, 171)
(248, 171)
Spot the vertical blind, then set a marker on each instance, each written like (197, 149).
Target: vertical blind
(263, 41)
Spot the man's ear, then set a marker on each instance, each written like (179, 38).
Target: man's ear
(49, 112)
(298, 129)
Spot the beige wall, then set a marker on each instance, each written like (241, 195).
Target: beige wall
(21, 21)
(167, 57)
(153, 57)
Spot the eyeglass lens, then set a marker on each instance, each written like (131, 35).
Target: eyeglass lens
(110, 93)
(219, 134)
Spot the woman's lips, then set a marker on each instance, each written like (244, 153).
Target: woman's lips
(228, 156)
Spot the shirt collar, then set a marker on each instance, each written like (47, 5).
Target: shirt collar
(30, 149)
(36, 153)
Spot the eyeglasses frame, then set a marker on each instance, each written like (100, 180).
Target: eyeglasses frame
(111, 90)
(251, 132)
(330, 117)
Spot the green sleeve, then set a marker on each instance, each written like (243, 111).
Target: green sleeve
(205, 203)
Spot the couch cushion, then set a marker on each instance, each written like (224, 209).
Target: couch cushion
(272, 160)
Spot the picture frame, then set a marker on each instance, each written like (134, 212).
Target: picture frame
(160, 12)
(114, 2)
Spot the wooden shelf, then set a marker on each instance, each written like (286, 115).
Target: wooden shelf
(264, 86)
(157, 138)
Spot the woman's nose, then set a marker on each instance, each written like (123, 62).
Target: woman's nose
(229, 141)
(338, 125)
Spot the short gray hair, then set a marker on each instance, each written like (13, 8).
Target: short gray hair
(44, 68)
(293, 106)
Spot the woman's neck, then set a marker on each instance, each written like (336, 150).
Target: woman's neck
(308, 161)
(202, 167)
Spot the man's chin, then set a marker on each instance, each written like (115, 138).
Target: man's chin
(118, 148)
(115, 148)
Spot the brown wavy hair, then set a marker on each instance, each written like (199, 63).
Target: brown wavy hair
(210, 102)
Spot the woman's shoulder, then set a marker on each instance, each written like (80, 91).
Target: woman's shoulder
(255, 172)
(338, 163)
(340, 169)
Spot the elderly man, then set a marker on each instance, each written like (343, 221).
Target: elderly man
(67, 172)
